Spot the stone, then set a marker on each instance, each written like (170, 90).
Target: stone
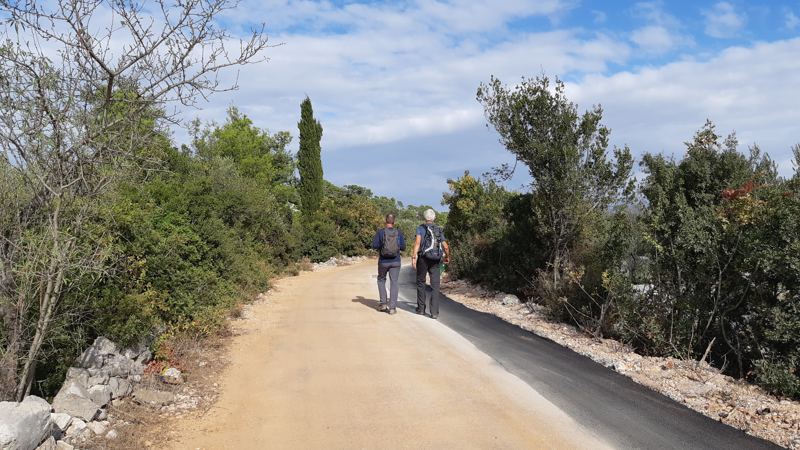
(76, 406)
(101, 394)
(172, 376)
(509, 299)
(61, 445)
(152, 397)
(118, 366)
(112, 435)
(73, 387)
(49, 444)
(105, 346)
(698, 390)
(101, 378)
(144, 357)
(103, 415)
(95, 355)
(135, 351)
(136, 369)
(76, 427)
(79, 375)
(26, 424)
(120, 387)
(98, 428)
(135, 378)
(98, 372)
(62, 421)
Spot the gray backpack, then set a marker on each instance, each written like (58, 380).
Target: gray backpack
(390, 248)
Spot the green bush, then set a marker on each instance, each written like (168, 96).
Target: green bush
(709, 260)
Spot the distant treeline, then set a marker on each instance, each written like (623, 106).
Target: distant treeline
(701, 258)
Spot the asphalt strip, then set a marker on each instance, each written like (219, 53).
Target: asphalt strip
(605, 403)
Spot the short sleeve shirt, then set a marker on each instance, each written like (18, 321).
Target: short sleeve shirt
(422, 230)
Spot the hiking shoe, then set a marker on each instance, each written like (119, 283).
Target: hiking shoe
(434, 316)
(392, 311)
(383, 307)
(420, 311)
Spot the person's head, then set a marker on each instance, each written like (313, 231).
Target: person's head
(390, 220)
(429, 215)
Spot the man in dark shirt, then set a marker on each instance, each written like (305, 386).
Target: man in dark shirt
(389, 242)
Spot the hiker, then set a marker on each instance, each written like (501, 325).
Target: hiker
(389, 242)
(430, 247)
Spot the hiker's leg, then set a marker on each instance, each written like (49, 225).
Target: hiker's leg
(433, 269)
(394, 276)
(422, 272)
(382, 270)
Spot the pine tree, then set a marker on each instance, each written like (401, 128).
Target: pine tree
(309, 160)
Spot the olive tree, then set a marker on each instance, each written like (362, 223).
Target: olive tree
(566, 153)
(81, 86)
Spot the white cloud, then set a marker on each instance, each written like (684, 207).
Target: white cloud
(389, 76)
(752, 90)
(656, 39)
(387, 81)
(662, 33)
(653, 11)
(723, 21)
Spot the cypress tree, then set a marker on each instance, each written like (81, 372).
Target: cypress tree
(309, 160)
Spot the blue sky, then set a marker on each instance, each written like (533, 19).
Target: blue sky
(394, 83)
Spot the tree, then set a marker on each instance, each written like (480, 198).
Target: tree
(721, 232)
(257, 153)
(309, 161)
(567, 156)
(69, 123)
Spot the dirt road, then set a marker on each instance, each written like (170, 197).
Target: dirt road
(317, 367)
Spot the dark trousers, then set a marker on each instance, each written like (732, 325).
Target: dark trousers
(393, 269)
(425, 267)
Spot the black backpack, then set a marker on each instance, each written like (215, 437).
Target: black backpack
(390, 247)
(432, 242)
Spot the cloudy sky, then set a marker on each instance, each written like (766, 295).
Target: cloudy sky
(394, 82)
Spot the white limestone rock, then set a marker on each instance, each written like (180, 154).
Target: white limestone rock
(24, 425)
(172, 376)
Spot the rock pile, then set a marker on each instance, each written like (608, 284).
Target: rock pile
(103, 373)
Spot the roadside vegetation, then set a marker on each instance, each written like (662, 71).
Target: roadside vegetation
(699, 259)
(109, 227)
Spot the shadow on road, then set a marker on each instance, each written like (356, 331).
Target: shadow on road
(368, 302)
(402, 303)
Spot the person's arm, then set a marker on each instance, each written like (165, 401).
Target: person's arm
(376, 241)
(446, 247)
(417, 243)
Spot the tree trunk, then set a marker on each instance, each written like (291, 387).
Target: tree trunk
(53, 280)
(10, 360)
(12, 313)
